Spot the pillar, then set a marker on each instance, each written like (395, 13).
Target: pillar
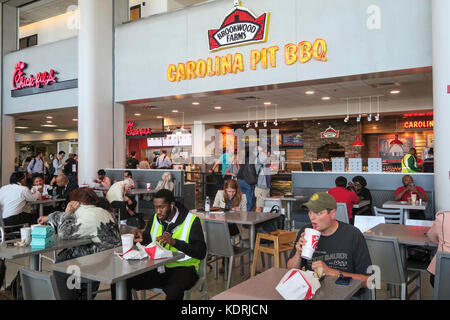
(120, 142)
(441, 100)
(8, 147)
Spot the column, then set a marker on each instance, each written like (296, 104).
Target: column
(441, 100)
(8, 148)
(120, 141)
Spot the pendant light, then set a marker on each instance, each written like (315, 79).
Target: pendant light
(358, 142)
(396, 141)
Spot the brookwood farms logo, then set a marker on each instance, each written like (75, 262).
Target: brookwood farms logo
(239, 27)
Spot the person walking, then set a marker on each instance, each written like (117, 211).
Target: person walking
(409, 162)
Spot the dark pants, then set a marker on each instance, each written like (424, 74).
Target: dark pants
(249, 191)
(174, 281)
(73, 293)
(21, 218)
(124, 215)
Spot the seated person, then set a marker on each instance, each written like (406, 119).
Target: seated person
(403, 193)
(86, 216)
(341, 194)
(342, 248)
(439, 233)
(231, 199)
(167, 226)
(127, 175)
(63, 189)
(13, 199)
(103, 180)
(166, 182)
(38, 185)
(358, 186)
(117, 197)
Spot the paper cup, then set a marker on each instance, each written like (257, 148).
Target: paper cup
(25, 234)
(413, 198)
(312, 237)
(149, 185)
(34, 226)
(127, 242)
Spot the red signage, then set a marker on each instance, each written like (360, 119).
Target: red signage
(42, 78)
(419, 124)
(329, 133)
(239, 27)
(137, 132)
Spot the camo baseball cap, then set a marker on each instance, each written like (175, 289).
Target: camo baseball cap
(321, 201)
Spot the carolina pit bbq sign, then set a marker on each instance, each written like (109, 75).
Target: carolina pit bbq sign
(239, 27)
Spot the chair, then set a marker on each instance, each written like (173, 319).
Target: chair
(37, 285)
(442, 277)
(220, 246)
(306, 166)
(282, 242)
(4, 235)
(385, 253)
(420, 223)
(364, 223)
(393, 216)
(341, 212)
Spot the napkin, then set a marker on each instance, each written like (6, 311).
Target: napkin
(298, 285)
(138, 254)
(156, 251)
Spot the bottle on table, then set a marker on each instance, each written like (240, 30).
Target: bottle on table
(207, 204)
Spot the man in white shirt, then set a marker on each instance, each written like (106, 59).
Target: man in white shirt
(58, 164)
(13, 198)
(117, 197)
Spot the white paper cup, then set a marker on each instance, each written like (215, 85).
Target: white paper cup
(312, 237)
(413, 198)
(25, 234)
(149, 185)
(34, 226)
(127, 242)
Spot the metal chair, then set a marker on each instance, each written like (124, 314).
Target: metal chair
(38, 285)
(442, 277)
(385, 253)
(393, 216)
(220, 246)
(341, 212)
(4, 235)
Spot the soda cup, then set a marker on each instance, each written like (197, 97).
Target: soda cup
(312, 237)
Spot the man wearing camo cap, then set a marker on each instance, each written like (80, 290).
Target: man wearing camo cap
(342, 249)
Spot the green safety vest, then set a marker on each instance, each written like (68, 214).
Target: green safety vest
(405, 166)
(181, 232)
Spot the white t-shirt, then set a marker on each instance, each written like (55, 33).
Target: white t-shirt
(13, 198)
(117, 192)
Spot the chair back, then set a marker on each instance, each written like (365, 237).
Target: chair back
(38, 285)
(269, 203)
(385, 253)
(393, 216)
(287, 237)
(364, 223)
(341, 212)
(442, 276)
(420, 223)
(218, 238)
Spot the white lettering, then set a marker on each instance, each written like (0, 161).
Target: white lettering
(374, 20)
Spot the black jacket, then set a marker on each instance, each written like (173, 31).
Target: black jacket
(64, 192)
(196, 248)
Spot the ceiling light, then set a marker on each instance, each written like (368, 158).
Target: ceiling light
(49, 121)
(347, 118)
(137, 114)
(159, 117)
(49, 117)
(295, 119)
(267, 103)
(174, 111)
(310, 92)
(61, 130)
(22, 127)
(358, 119)
(75, 120)
(265, 124)
(377, 117)
(326, 98)
(358, 142)
(256, 124)
(395, 92)
(218, 108)
(36, 131)
(275, 123)
(195, 103)
(49, 125)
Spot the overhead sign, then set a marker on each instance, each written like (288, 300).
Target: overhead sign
(239, 27)
(131, 131)
(330, 133)
(419, 124)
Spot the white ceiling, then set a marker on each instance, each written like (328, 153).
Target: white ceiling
(44, 9)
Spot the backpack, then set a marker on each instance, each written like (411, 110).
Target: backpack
(249, 173)
(51, 169)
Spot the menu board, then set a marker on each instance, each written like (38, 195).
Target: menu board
(154, 142)
(171, 140)
(185, 139)
(293, 139)
(375, 165)
(355, 165)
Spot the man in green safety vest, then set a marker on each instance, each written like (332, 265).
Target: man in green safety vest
(409, 163)
(177, 230)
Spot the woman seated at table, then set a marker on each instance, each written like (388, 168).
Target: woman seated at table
(231, 199)
(358, 186)
(439, 233)
(166, 182)
(38, 185)
(86, 216)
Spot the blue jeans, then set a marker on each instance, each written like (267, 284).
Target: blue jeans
(249, 192)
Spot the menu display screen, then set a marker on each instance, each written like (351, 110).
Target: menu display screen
(293, 139)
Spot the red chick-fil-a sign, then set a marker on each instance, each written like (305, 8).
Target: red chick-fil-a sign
(137, 132)
(42, 78)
